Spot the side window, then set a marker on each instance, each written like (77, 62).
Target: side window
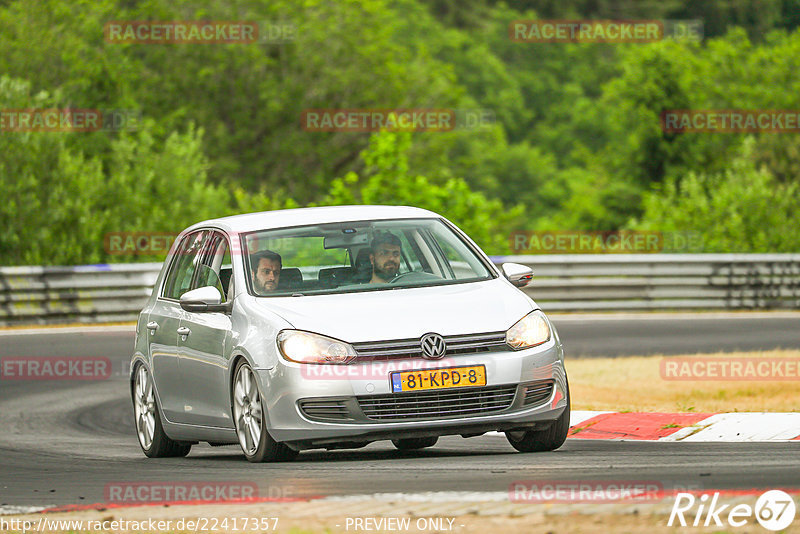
(459, 267)
(179, 280)
(216, 269)
(458, 260)
(411, 252)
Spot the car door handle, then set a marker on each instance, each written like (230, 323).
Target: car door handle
(152, 325)
(183, 331)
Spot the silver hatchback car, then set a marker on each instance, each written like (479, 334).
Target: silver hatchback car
(334, 327)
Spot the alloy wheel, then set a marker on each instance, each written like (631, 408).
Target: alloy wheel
(144, 407)
(247, 410)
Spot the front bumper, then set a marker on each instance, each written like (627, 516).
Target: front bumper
(287, 384)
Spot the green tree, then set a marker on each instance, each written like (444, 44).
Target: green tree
(387, 180)
(742, 209)
(60, 203)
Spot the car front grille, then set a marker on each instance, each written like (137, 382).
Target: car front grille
(536, 392)
(410, 348)
(437, 404)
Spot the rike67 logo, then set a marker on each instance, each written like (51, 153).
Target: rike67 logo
(774, 510)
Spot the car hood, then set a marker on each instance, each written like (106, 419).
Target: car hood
(475, 307)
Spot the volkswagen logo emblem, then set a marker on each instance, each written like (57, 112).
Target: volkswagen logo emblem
(433, 346)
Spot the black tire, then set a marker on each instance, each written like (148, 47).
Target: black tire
(548, 439)
(412, 444)
(145, 407)
(267, 450)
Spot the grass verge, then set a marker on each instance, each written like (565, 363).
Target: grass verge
(635, 384)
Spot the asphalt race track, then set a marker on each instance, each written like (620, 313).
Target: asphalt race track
(669, 334)
(63, 442)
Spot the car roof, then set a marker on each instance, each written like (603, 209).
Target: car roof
(250, 222)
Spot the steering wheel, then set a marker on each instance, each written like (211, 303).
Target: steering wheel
(400, 276)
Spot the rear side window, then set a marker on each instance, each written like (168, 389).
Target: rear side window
(184, 265)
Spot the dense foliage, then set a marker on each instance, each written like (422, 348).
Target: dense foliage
(576, 144)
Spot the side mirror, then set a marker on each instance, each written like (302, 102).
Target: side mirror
(204, 299)
(517, 274)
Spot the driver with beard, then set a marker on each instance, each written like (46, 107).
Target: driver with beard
(384, 257)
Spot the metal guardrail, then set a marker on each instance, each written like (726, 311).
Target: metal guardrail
(621, 282)
(582, 282)
(83, 294)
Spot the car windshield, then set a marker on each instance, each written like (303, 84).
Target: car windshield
(359, 256)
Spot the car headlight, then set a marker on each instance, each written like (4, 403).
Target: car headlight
(529, 331)
(305, 347)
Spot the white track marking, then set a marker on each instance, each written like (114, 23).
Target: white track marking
(737, 427)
